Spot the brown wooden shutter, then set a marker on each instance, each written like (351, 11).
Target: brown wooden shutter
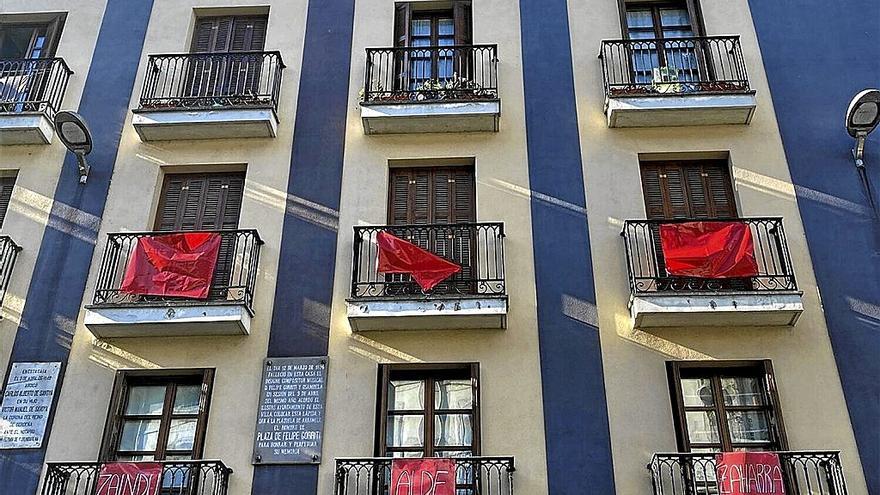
(212, 34)
(200, 202)
(248, 33)
(402, 17)
(461, 12)
(7, 184)
(692, 189)
(421, 195)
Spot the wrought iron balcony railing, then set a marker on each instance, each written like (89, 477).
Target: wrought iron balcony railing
(477, 247)
(8, 254)
(233, 282)
(178, 478)
(473, 475)
(675, 66)
(804, 473)
(212, 81)
(647, 267)
(33, 85)
(431, 73)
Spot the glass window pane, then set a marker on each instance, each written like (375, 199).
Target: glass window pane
(697, 392)
(134, 458)
(453, 394)
(674, 17)
(748, 426)
(407, 454)
(453, 430)
(182, 434)
(139, 434)
(420, 27)
(406, 395)
(446, 27)
(639, 18)
(677, 33)
(743, 391)
(421, 42)
(186, 399)
(146, 400)
(702, 427)
(405, 431)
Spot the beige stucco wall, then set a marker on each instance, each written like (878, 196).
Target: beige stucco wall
(511, 407)
(638, 397)
(39, 166)
(131, 205)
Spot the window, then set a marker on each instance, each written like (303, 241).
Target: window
(157, 415)
(7, 184)
(229, 34)
(428, 410)
(415, 27)
(29, 38)
(437, 195)
(693, 189)
(227, 74)
(663, 61)
(200, 201)
(725, 406)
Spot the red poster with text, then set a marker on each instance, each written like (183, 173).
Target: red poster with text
(749, 473)
(130, 478)
(426, 476)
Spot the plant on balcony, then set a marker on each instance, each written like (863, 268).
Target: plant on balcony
(436, 89)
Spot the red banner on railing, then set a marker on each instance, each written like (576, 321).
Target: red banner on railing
(708, 249)
(399, 256)
(425, 476)
(180, 265)
(130, 478)
(749, 473)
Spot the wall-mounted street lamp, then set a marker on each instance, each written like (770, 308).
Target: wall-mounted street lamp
(74, 133)
(862, 118)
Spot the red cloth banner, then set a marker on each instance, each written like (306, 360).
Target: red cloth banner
(399, 256)
(130, 478)
(180, 265)
(425, 476)
(708, 249)
(749, 473)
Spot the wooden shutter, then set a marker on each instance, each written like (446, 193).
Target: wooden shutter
(691, 189)
(402, 16)
(421, 195)
(6, 186)
(248, 33)
(461, 13)
(212, 34)
(200, 202)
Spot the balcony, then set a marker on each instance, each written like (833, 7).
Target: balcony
(473, 298)
(178, 478)
(804, 473)
(210, 96)
(8, 254)
(431, 89)
(474, 475)
(676, 82)
(31, 91)
(227, 310)
(659, 300)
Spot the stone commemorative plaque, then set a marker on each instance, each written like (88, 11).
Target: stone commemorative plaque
(290, 420)
(27, 400)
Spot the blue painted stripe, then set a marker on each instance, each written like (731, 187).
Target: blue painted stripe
(303, 293)
(55, 295)
(575, 413)
(815, 64)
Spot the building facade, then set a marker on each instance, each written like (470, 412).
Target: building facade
(290, 140)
